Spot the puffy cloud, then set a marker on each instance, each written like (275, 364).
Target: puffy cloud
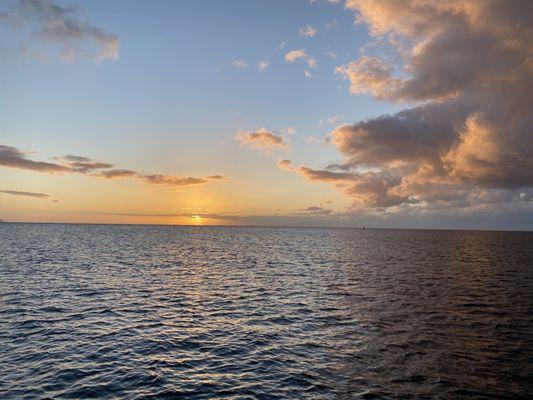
(261, 139)
(60, 26)
(308, 31)
(370, 75)
(11, 157)
(308, 74)
(295, 55)
(26, 194)
(262, 65)
(467, 142)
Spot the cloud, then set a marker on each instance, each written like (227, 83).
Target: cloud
(26, 194)
(370, 75)
(261, 139)
(316, 210)
(464, 141)
(215, 178)
(13, 158)
(172, 180)
(289, 131)
(262, 65)
(295, 55)
(239, 64)
(285, 164)
(334, 120)
(308, 31)
(52, 25)
(312, 139)
(71, 164)
(308, 74)
(116, 173)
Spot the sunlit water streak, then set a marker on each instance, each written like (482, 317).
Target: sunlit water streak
(167, 312)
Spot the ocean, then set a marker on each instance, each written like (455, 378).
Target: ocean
(139, 312)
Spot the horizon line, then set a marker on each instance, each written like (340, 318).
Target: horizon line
(364, 227)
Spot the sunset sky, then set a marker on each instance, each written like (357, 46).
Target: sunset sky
(378, 113)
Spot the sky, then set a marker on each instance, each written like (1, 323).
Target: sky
(411, 114)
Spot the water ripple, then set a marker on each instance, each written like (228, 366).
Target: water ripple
(135, 312)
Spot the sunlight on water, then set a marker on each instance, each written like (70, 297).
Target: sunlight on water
(133, 311)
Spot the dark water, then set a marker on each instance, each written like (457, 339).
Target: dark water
(133, 312)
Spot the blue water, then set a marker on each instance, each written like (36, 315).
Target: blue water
(135, 312)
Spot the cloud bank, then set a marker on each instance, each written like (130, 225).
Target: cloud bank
(468, 141)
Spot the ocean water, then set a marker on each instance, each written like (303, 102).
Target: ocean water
(136, 312)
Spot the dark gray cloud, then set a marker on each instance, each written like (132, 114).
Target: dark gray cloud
(35, 195)
(12, 157)
(52, 24)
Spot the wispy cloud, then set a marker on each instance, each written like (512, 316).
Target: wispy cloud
(12, 157)
(239, 64)
(261, 139)
(289, 131)
(116, 173)
(316, 210)
(334, 120)
(34, 195)
(54, 25)
(308, 31)
(262, 65)
(298, 54)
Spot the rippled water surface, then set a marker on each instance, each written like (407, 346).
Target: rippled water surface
(135, 312)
